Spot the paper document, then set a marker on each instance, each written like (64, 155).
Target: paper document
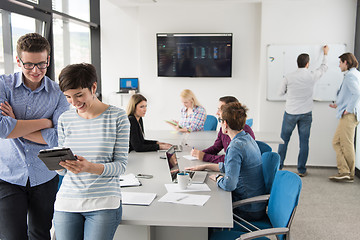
(189, 157)
(137, 198)
(129, 180)
(203, 187)
(188, 199)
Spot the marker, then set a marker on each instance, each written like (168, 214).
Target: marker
(182, 198)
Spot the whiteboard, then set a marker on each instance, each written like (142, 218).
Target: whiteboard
(281, 60)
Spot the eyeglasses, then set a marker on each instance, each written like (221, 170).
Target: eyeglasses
(220, 120)
(30, 66)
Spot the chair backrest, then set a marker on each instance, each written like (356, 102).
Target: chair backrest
(270, 166)
(210, 123)
(264, 147)
(249, 122)
(284, 199)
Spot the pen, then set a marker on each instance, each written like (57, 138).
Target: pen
(182, 198)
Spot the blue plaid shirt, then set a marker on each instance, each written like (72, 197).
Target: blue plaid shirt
(194, 121)
(18, 156)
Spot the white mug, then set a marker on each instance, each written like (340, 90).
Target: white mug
(184, 180)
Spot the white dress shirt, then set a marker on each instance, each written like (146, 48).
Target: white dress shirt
(299, 86)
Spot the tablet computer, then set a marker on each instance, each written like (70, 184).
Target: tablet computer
(52, 157)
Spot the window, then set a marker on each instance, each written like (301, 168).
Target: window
(67, 24)
(78, 8)
(2, 60)
(66, 32)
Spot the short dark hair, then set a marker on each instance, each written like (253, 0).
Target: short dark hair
(302, 60)
(350, 60)
(82, 75)
(228, 99)
(234, 114)
(32, 42)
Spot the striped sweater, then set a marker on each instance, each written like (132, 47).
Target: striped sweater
(104, 139)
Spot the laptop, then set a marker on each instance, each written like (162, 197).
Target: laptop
(127, 84)
(178, 148)
(196, 176)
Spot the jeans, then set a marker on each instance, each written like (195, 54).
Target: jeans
(93, 225)
(26, 212)
(303, 122)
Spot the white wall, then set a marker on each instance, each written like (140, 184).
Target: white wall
(129, 50)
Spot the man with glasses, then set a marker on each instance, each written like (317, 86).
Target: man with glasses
(30, 104)
(222, 142)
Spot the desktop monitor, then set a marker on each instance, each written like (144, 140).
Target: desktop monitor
(127, 84)
(194, 54)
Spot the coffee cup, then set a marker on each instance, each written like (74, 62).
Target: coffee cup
(184, 180)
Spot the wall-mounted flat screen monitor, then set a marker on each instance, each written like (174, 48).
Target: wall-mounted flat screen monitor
(194, 55)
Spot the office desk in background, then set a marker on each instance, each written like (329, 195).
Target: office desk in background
(167, 220)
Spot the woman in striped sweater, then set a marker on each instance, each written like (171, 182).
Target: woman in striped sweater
(88, 203)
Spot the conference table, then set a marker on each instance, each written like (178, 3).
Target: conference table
(162, 220)
(173, 221)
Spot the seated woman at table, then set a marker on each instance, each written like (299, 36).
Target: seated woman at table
(222, 141)
(88, 203)
(193, 115)
(242, 167)
(136, 110)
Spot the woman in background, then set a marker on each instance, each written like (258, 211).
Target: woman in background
(88, 203)
(242, 167)
(136, 110)
(193, 115)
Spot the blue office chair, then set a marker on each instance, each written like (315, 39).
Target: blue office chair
(270, 166)
(249, 122)
(264, 147)
(282, 205)
(60, 181)
(210, 123)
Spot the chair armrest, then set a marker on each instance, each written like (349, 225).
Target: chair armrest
(263, 233)
(257, 199)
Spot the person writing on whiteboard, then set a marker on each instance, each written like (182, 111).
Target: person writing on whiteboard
(348, 106)
(193, 115)
(222, 142)
(298, 87)
(136, 110)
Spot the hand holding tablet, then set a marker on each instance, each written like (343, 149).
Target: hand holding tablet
(52, 157)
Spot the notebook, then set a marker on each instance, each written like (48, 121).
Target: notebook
(196, 176)
(127, 84)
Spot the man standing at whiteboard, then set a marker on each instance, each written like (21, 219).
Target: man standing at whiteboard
(348, 106)
(298, 87)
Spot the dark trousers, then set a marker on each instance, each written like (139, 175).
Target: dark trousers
(26, 212)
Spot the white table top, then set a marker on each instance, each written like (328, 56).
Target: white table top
(217, 211)
(206, 137)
